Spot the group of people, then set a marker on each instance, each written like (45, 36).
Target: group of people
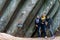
(44, 23)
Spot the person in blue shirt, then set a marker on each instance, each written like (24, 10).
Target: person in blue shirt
(37, 25)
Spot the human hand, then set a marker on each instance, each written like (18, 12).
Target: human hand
(46, 23)
(36, 25)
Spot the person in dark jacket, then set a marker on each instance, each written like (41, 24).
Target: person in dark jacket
(37, 24)
(50, 26)
(43, 25)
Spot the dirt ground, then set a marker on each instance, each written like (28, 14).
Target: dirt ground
(4, 36)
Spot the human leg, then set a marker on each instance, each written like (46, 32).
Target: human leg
(39, 32)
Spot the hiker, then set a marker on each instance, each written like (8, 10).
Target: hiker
(43, 25)
(37, 24)
(50, 26)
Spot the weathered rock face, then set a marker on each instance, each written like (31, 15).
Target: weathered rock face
(22, 16)
(8, 13)
(45, 8)
(17, 16)
(2, 2)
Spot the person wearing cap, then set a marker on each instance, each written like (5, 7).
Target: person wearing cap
(43, 24)
(37, 24)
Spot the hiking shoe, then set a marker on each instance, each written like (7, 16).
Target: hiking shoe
(45, 36)
(53, 37)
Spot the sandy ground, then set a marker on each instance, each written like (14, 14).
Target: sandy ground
(4, 36)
